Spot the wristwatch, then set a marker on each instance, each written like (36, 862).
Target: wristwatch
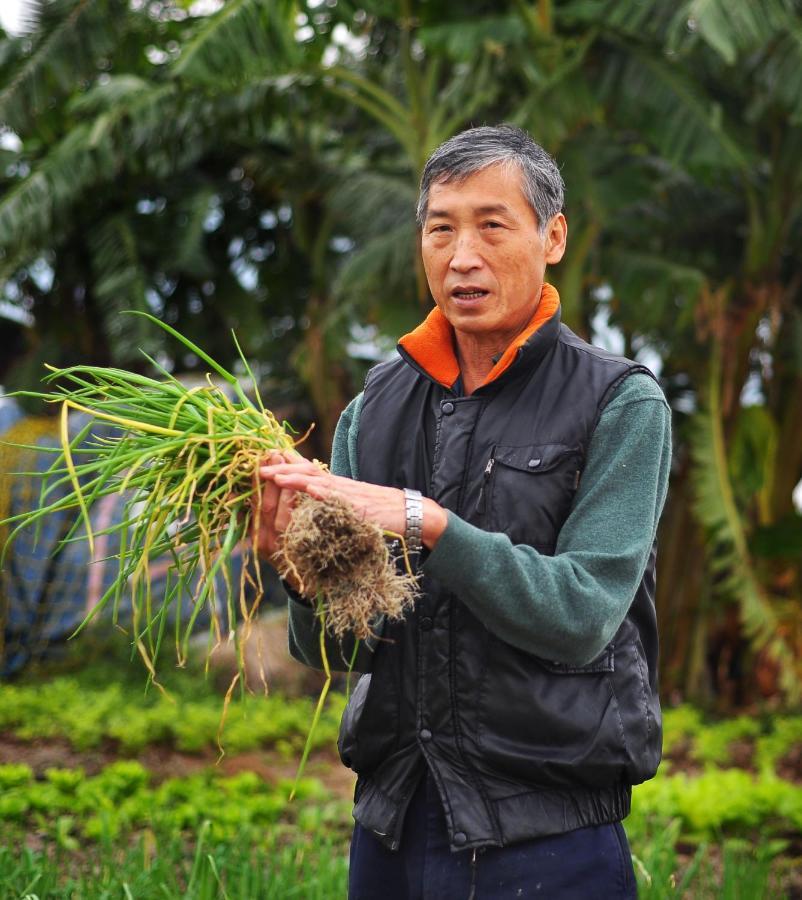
(414, 527)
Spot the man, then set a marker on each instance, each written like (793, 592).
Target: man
(502, 724)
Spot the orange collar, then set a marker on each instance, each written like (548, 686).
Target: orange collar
(431, 344)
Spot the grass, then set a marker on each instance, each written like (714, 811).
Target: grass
(250, 865)
(733, 869)
(264, 864)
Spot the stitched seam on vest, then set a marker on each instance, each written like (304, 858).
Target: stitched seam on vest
(646, 712)
(469, 455)
(452, 665)
(618, 712)
(635, 370)
(435, 453)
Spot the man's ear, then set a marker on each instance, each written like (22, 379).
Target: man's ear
(556, 237)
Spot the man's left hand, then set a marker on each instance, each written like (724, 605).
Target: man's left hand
(384, 506)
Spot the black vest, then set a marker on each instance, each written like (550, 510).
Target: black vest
(519, 746)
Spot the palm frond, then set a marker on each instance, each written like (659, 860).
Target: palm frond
(752, 457)
(679, 118)
(729, 29)
(732, 29)
(62, 54)
(243, 40)
(26, 19)
(378, 103)
(716, 509)
(111, 94)
(188, 253)
(150, 129)
(632, 17)
(371, 203)
(658, 290)
(119, 284)
(779, 74)
(378, 211)
(383, 267)
(152, 132)
(465, 39)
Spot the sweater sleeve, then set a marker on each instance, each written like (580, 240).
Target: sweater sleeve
(343, 449)
(304, 627)
(568, 606)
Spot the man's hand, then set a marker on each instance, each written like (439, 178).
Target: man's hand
(384, 506)
(274, 512)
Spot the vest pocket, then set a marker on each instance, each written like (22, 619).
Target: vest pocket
(528, 491)
(604, 662)
(349, 724)
(368, 729)
(545, 723)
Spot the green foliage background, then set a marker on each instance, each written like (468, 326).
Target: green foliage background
(254, 164)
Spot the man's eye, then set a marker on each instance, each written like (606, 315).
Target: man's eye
(493, 225)
(440, 228)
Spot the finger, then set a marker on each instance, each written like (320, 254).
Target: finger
(270, 497)
(273, 458)
(272, 469)
(299, 481)
(284, 510)
(264, 532)
(320, 491)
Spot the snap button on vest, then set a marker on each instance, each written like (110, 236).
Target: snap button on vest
(426, 623)
(447, 408)
(425, 734)
(534, 463)
(460, 839)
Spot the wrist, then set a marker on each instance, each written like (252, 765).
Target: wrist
(435, 520)
(413, 520)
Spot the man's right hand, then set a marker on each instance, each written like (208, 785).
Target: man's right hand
(272, 517)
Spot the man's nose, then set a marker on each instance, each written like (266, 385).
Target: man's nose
(466, 254)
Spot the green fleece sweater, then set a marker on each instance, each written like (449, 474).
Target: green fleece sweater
(564, 607)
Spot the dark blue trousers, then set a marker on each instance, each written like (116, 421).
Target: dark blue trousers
(587, 864)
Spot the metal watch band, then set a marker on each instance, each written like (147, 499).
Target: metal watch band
(414, 529)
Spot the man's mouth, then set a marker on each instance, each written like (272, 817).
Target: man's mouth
(469, 293)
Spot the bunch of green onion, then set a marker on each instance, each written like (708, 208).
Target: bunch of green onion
(186, 459)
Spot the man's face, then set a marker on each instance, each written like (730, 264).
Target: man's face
(484, 255)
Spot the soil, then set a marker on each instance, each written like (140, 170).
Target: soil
(789, 766)
(741, 756)
(164, 762)
(679, 759)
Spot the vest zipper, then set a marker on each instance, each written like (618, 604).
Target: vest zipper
(481, 503)
(472, 894)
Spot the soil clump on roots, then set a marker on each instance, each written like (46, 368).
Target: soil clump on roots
(339, 557)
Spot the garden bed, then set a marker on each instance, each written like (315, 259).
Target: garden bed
(104, 788)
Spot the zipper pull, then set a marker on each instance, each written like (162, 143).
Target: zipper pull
(472, 895)
(481, 503)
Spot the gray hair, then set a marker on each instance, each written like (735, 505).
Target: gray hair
(477, 148)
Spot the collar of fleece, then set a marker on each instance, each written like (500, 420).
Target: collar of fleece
(431, 344)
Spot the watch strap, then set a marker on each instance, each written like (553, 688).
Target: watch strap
(413, 532)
